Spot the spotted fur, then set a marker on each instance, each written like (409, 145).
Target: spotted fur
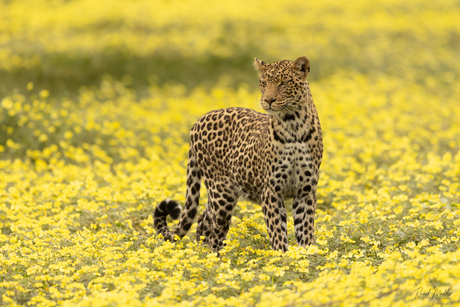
(264, 158)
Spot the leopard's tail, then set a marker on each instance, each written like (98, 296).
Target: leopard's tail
(173, 209)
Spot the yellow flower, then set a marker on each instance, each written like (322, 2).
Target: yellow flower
(44, 93)
(68, 134)
(264, 277)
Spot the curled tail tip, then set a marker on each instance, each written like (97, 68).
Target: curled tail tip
(168, 207)
(174, 209)
(165, 208)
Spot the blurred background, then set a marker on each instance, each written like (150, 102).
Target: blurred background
(62, 45)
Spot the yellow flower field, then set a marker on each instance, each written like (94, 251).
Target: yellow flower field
(82, 167)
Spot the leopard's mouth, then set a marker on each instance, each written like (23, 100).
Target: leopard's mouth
(275, 109)
(272, 110)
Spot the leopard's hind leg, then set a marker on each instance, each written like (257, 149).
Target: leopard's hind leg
(203, 228)
(214, 223)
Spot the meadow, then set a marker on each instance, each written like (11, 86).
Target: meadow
(96, 103)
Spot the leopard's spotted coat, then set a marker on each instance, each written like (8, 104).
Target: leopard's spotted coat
(265, 158)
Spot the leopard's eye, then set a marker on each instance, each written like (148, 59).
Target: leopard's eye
(263, 83)
(284, 82)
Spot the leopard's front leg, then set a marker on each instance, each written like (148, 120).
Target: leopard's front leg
(275, 219)
(303, 208)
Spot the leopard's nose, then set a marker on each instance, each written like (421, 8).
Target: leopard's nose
(270, 100)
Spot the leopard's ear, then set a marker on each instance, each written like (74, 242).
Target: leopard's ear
(261, 66)
(302, 66)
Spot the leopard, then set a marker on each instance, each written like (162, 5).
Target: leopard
(265, 158)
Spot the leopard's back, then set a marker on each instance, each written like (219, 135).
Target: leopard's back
(231, 143)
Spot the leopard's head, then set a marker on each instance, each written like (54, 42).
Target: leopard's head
(283, 85)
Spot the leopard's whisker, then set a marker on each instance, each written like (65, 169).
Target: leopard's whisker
(256, 104)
